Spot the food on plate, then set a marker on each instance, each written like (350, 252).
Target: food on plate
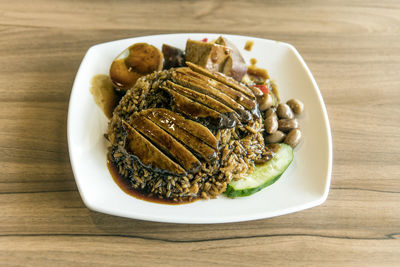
(191, 156)
(173, 56)
(136, 61)
(204, 125)
(208, 55)
(221, 56)
(281, 125)
(235, 66)
(293, 138)
(284, 111)
(104, 94)
(286, 125)
(248, 45)
(263, 176)
(275, 137)
(296, 105)
(271, 123)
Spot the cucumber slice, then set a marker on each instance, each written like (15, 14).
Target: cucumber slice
(263, 175)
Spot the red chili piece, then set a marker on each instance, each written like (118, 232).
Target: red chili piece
(263, 88)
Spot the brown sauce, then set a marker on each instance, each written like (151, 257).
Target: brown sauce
(249, 45)
(260, 76)
(275, 91)
(104, 94)
(258, 72)
(126, 186)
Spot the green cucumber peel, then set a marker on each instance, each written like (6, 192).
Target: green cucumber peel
(264, 175)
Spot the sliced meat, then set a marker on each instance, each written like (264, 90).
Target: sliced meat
(208, 55)
(238, 96)
(166, 143)
(235, 65)
(192, 134)
(201, 98)
(223, 79)
(202, 87)
(171, 118)
(199, 112)
(148, 154)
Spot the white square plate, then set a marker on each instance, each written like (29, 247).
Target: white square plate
(305, 183)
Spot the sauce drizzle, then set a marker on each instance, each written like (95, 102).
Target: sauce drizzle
(249, 45)
(126, 186)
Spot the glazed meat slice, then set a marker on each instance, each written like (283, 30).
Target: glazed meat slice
(201, 98)
(223, 79)
(238, 96)
(202, 87)
(199, 112)
(199, 140)
(208, 55)
(189, 107)
(148, 154)
(166, 143)
(192, 127)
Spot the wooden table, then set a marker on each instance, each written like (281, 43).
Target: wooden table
(353, 50)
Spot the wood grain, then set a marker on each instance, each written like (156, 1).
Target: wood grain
(351, 47)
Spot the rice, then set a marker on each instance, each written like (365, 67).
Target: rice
(238, 149)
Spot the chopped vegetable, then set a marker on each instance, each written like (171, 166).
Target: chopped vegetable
(264, 175)
(263, 88)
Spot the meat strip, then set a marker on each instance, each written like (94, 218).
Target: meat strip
(166, 143)
(148, 154)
